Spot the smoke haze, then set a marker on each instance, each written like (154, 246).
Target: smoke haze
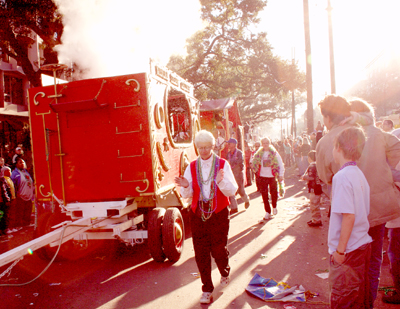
(116, 37)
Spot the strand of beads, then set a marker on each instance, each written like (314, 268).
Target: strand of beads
(206, 213)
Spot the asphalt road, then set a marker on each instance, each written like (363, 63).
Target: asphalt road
(113, 276)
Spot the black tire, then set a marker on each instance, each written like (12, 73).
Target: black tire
(173, 234)
(155, 239)
(45, 222)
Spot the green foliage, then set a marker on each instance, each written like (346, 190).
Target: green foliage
(18, 18)
(268, 107)
(228, 58)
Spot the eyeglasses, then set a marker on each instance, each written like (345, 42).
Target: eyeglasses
(205, 148)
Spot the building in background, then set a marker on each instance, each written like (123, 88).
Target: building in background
(14, 116)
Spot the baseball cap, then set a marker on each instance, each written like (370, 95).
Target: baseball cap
(232, 140)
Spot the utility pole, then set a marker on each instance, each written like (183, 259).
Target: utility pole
(331, 57)
(310, 115)
(293, 104)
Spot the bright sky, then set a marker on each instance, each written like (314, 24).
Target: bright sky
(361, 29)
(114, 37)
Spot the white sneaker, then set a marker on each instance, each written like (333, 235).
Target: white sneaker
(206, 298)
(275, 211)
(224, 281)
(267, 216)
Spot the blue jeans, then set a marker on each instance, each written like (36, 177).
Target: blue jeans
(394, 256)
(377, 233)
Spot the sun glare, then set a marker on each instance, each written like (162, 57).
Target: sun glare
(118, 37)
(361, 30)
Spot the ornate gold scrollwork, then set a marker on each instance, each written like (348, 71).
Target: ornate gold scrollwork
(42, 94)
(40, 190)
(159, 115)
(144, 180)
(164, 163)
(133, 105)
(133, 156)
(128, 82)
(165, 144)
(196, 128)
(140, 129)
(160, 175)
(184, 162)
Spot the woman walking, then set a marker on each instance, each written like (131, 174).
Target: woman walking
(209, 181)
(267, 163)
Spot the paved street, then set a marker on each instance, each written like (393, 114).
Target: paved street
(112, 276)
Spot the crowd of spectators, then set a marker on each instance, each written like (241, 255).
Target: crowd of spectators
(317, 158)
(16, 193)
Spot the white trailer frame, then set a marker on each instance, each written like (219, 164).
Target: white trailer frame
(94, 225)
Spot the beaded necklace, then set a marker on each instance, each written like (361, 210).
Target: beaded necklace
(206, 213)
(348, 164)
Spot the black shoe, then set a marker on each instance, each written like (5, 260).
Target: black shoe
(233, 211)
(391, 299)
(312, 223)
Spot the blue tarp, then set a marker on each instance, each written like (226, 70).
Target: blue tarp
(269, 290)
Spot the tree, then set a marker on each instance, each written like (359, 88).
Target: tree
(228, 58)
(268, 107)
(18, 19)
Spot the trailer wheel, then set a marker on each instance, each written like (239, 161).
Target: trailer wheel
(173, 234)
(155, 239)
(45, 222)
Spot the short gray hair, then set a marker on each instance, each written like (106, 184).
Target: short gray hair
(266, 139)
(204, 136)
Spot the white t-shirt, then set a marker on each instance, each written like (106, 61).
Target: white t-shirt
(350, 194)
(266, 170)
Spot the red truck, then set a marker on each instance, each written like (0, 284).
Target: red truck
(105, 154)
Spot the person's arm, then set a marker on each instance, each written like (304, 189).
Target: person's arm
(281, 167)
(241, 160)
(305, 176)
(16, 178)
(324, 168)
(392, 149)
(185, 183)
(226, 180)
(345, 232)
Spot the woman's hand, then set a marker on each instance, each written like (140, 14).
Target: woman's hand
(220, 176)
(181, 181)
(280, 178)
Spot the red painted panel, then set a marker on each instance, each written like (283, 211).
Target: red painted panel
(94, 143)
